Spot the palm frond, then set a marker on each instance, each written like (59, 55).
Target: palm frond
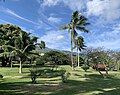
(82, 29)
(75, 15)
(67, 26)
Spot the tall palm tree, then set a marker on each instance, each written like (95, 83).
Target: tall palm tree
(79, 44)
(78, 22)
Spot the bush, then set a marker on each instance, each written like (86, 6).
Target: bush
(34, 73)
(39, 62)
(64, 76)
(85, 67)
(1, 76)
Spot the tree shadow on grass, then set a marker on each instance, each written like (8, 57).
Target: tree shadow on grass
(93, 85)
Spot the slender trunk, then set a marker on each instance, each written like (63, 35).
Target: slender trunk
(71, 52)
(72, 57)
(11, 65)
(118, 66)
(20, 68)
(72, 38)
(78, 58)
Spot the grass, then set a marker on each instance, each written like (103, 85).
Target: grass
(79, 83)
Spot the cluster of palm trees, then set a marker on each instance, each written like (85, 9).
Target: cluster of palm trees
(78, 22)
(14, 42)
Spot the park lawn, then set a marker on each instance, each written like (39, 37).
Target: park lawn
(79, 83)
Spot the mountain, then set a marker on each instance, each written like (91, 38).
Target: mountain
(49, 49)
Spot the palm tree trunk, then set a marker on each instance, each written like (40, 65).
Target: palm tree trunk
(78, 58)
(20, 68)
(118, 66)
(72, 57)
(71, 52)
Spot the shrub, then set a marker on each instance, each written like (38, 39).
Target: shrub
(85, 67)
(1, 76)
(34, 73)
(64, 75)
(39, 62)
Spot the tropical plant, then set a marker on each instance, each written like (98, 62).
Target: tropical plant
(79, 44)
(78, 22)
(34, 73)
(15, 39)
(85, 67)
(64, 75)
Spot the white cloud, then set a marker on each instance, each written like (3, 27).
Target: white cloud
(75, 5)
(109, 40)
(12, 13)
(49, 2)
(54, 19)
(56, 39)
(44, 19)
(107, 9)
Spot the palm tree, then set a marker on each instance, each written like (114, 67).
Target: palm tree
(42, 45)
(78, 22)
(79, 44)
(12, 38)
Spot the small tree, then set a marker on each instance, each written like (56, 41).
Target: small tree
(85, 67)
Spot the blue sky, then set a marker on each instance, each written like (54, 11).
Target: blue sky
(43, 18)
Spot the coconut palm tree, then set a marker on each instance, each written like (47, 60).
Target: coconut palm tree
(78, 22)
(79, 44)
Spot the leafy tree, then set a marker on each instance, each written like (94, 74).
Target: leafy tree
(8, 33)
(56, 58)
(78, 22)
(19, 41)
(79, 44)
(99, 59)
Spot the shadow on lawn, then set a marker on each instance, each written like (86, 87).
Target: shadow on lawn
(93, 83)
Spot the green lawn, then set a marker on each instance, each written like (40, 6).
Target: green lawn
(79, 83)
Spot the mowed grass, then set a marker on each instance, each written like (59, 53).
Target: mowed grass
(79, 83)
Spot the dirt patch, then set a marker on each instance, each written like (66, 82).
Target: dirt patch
(16, 77)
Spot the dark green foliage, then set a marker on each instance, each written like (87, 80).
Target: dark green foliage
(40, 61)
(64, 75)
(18, 42)
(85, 67)
(1, 76)
(34, 73)
(56, 57)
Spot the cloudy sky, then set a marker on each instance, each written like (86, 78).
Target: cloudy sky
(43, 18)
